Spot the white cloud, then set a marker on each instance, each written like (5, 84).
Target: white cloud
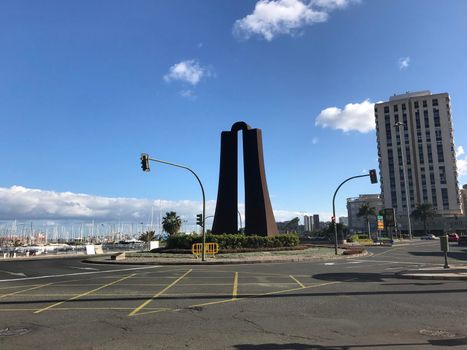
(273, 17)
(189, 71)
(52, 207)
(354, 117)
(461, 160)
(404, 63)
(25, 203)
(189, 94)
(333, 4)
(314, 140)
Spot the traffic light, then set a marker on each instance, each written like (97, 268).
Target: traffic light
(199, 220)
(145, 162)
(373, 176)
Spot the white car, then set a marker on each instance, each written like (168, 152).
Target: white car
(429, 237)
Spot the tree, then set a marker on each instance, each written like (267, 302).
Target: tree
(366, 211)
(423, 212)
(171, 223)
(147, 236)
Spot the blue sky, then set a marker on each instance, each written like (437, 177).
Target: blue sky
(86, 86)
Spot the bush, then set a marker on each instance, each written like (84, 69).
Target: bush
(234, 241)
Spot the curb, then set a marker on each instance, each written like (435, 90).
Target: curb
(405, 275)
(224, 262)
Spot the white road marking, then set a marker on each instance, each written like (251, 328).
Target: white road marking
(329, 264)
(14, 273)
(79, 273)
(399, 262)
(83, 268)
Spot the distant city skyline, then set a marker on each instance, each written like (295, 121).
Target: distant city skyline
(86, 87)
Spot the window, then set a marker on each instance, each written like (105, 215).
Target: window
(434, 102)
(386, 109)
(430, 154)
(439, 148)
(428, 136)
(438, 135)
(432, 178)
(420, 153)
(445, 198)
(403, 106)
(395, 108)
(436, 116)
(424, 103)
(442, 175)
(425, 116)
(415, 104)
(417, 120)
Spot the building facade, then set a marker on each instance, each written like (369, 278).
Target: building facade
(358, 223)
(308, 223)
(464, 199)
(415, 141)
(316, 224)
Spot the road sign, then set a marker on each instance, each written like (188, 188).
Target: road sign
(389, 217)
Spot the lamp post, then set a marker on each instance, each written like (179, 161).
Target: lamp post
(400, 127)
(145, 166)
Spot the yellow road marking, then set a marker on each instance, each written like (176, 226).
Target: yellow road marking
(235, 286)
(296, 280)
(24, 290)
(264, 294)
(136, 310)
(83, 294)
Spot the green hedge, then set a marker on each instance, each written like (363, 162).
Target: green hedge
(233, 241)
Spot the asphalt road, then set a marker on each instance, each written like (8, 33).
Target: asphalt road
(338, 304)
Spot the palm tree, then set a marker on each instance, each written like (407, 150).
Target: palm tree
(366, 211)
(423, 212)
(147, 236)
(171, 223)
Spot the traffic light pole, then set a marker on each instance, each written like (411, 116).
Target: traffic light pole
(334, 208)
(202, 191)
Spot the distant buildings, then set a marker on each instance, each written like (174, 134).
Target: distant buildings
(311, 223)
(426, 148)
(359, 224)
(308, 223)
(464, 199)
(344, 220)
(316, 224)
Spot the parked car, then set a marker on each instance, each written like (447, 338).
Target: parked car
(462, 241)
(453, 237)
(429, 236)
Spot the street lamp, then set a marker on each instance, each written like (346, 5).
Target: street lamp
(400, 126)
(145, 167)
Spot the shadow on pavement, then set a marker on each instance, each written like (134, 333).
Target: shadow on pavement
(302, 346)
(452, 255)
(299, 294)
(352, 276)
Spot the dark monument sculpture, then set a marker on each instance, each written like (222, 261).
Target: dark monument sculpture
(259, 218)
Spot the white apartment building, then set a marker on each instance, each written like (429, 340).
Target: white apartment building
(428, 152)
(358, 223)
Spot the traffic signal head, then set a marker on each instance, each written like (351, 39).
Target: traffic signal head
(199, 220)
(145, 162)
(373, 176)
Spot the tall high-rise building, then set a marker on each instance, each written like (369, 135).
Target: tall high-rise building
(308, 223)
(425, 149)
(316, 225)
